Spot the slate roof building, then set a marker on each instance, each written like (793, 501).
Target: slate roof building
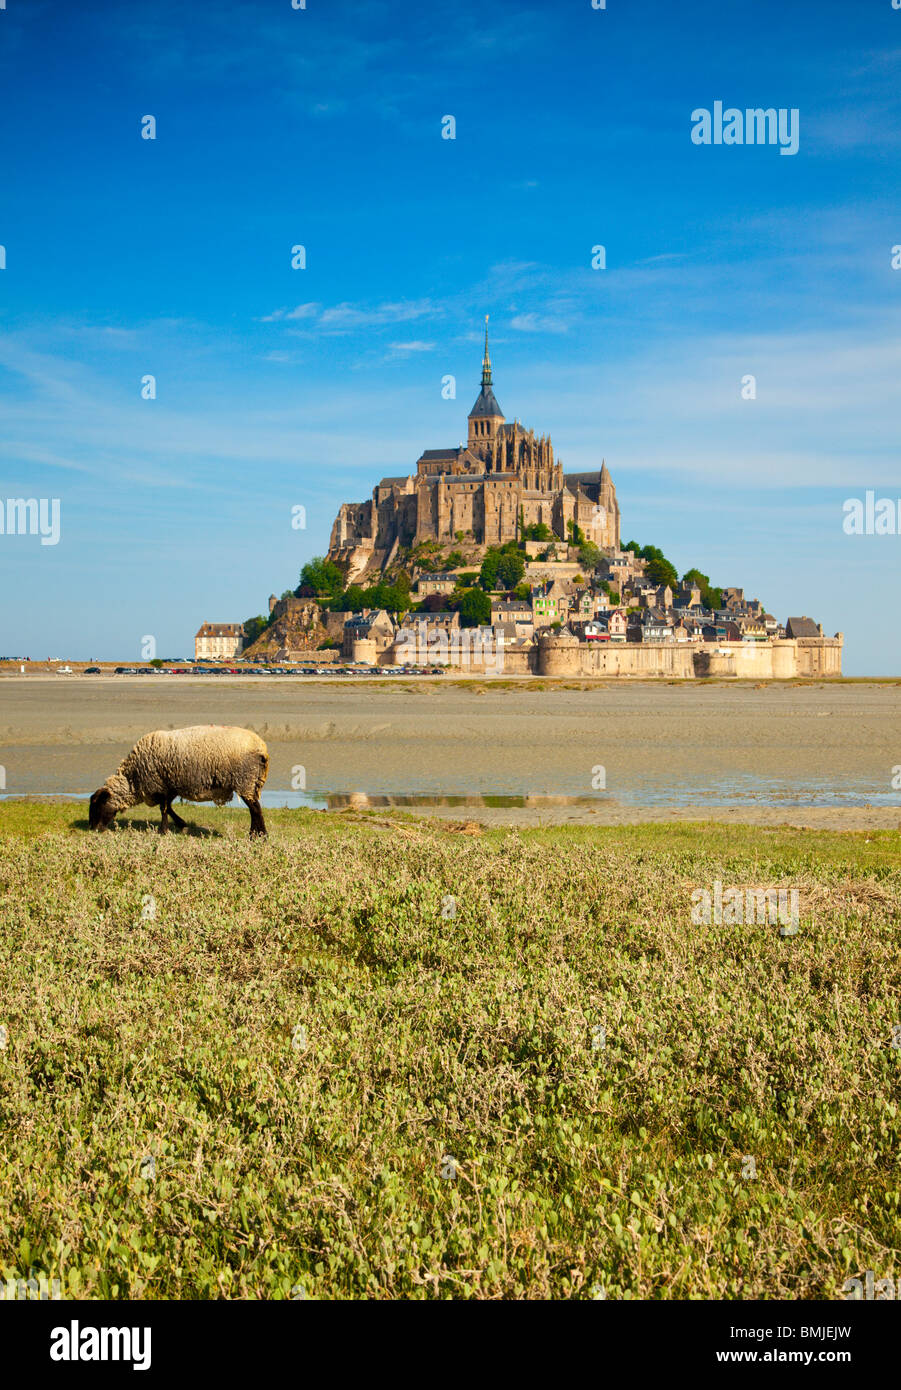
(802, 627)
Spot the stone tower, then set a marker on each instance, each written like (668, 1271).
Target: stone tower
(486, 416)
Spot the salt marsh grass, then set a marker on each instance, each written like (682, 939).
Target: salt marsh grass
(598, 1069)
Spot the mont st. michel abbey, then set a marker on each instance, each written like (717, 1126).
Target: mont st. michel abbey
(504, 478)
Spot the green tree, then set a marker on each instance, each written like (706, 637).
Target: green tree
(523, 591)
(475, 608)
(353, 599)
(710, 597)
(510, 570)
(589, 555)
(660, 570)
(322, 576)
(454, 559)
(253, 627)
(488, 572)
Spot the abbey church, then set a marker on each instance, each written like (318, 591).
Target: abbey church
(505, 477)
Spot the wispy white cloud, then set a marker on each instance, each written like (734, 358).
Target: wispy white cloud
(405, 349)
(538, 323)
(346, 316)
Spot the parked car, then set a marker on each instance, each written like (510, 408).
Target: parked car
(91, 671)
(64, 670)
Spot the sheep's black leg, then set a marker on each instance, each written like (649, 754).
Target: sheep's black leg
(257, 824)
(176, 819)
(164, 808)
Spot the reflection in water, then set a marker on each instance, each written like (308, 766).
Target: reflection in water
(371, 801)
(737, 790)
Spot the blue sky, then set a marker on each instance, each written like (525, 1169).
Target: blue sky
(279, 387)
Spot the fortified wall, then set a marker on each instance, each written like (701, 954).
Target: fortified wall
(565, 656)
(778, 660)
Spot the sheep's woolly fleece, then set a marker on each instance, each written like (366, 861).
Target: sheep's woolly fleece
(208, 762)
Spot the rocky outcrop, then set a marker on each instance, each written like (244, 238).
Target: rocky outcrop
(297, 624)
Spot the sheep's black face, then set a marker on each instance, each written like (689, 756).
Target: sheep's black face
(100, 811)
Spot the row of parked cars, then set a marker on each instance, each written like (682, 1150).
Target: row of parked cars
(199, 670)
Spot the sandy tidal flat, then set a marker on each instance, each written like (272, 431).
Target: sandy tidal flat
(814, 755)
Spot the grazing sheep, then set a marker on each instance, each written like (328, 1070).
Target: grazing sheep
(209, 762)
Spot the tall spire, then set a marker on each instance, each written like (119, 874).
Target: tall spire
(486, 360)
(486, 415)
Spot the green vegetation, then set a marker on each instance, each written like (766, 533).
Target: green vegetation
(395, 597)
(710, 597)
(503, 567)
(320, 578)
(253, 627)
(300, 1036)
(662, 571)
(475, 608)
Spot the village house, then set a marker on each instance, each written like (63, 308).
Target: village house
(432, 623)
(551, 603)
(218, 641)
(688, 596)
(441, 583)
(751, 629)
(652, 625)
(656, 597)
(516, 613)
(687, 627)
(802, 627)
(373, 625)
(613, 623)
(587, 604)
(719, 629)
(620, 568)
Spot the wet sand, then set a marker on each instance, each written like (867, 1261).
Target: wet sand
(813, 755)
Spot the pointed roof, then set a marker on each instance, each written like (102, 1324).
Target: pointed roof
(486, 402)
(605, 474)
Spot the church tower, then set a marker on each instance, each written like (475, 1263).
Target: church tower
(486, 416)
